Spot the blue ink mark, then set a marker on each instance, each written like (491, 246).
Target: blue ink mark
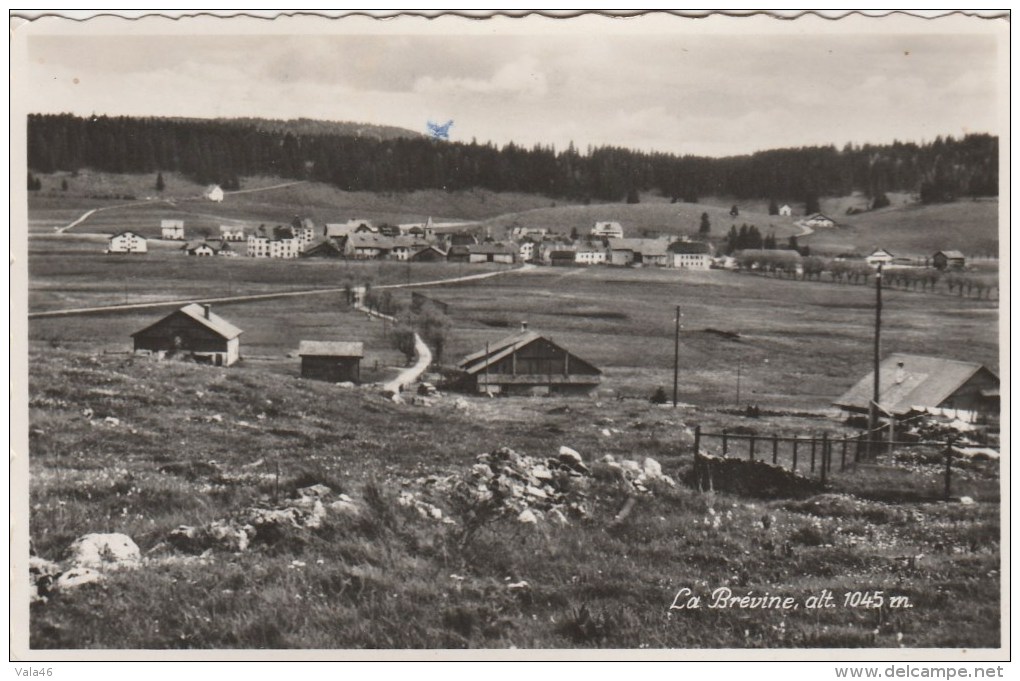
(439, 132)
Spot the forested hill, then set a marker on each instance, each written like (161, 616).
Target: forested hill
(223, 150)
(310, 126)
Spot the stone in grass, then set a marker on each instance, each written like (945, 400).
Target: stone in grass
(77, 576)
(109, 551)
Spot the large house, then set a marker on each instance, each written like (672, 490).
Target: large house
(334, 361)
(193, 330)
(528, 364)
(489, 252)
(916, 383)
(231, 233)
(591, 255)
(127, 242)
(819, 220)
(405, 247)
(694, 255)
(607, 230)
(639, 252)
(949, 260)
(200, 249)
(281, 244)
(366, 245)
(323, 248)
(429, 254)
(214, 193)
(172, 230)
(880, 256)
(526, 250)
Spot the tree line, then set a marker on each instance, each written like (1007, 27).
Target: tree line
(220, 151)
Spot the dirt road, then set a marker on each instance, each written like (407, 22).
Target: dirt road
(263, 296)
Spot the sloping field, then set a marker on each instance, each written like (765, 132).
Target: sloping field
(916, 230)
(647, 217)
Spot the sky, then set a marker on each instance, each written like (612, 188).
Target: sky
(713, 95)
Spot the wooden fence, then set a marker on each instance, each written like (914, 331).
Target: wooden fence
(814, 456)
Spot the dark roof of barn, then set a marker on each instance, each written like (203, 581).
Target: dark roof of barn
(927, 382)
(213, 322)
(477, 361)
(690, 248)
(331, 349)
(494, 249)
(952, 255)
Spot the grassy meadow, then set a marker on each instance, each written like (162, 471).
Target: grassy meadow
(390, 578)
(126, 444)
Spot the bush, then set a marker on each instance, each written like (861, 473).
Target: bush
(659, 396)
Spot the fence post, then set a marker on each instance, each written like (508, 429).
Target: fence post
(949, 468)
(697, 456)
(825, 455)
(775, 449)
(796, 441)
(842, 458)
(857, 450)
(750, 451)
(814, 442)
(724, 444)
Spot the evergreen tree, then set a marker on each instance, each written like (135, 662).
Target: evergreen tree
(633, 197)
(773, 207)
(34, 183)
(160, 184)
(63, 184)
(792, 244)
(706, 226)
(811, 204)
(734, 211)
(880, 201)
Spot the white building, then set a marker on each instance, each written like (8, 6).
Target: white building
(127, 242)
(785, 210)
(590, 256)
(262, 246)
(819, 220)
(200, 249)
(172, 230)
(880, 257)
(214, 193)
(534, 232)
(526, 251)
(229, 233)
(690, 255)
(607, 230)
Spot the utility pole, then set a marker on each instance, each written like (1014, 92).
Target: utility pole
(873, 411)
(676, 356)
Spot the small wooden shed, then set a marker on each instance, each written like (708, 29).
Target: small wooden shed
(334, 361)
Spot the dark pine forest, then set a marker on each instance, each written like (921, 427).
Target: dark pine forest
(222, 151)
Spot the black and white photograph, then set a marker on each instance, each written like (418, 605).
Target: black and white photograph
(656, 336)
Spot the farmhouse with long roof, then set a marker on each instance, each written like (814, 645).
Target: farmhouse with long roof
(192, 329)
(528, 364)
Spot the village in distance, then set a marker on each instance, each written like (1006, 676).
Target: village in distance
(275, 406)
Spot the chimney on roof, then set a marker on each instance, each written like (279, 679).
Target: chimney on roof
(524, 326)
(208, 310)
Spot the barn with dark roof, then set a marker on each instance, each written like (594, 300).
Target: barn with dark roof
(192, 330)
(528, 364)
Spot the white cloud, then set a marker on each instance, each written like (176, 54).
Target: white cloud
(522, 77)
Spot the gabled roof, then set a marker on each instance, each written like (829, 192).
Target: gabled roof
(438, 250)
(331, 349)
(477, 362)
(495, 249)
(213, 322)
(690, 248)
(645, 247)
(127, 233)
(880, 251)
(370, 240)
(171, 223)
(952, 255)
(820, 216)
(924, 382)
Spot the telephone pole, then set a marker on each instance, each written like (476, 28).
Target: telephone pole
(676, 356)
(876, 359)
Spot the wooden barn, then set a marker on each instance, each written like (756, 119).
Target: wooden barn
(193, 330)
(915, 383)
(949, 260)
(429, 254)
(528, 364)
(334, 361)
